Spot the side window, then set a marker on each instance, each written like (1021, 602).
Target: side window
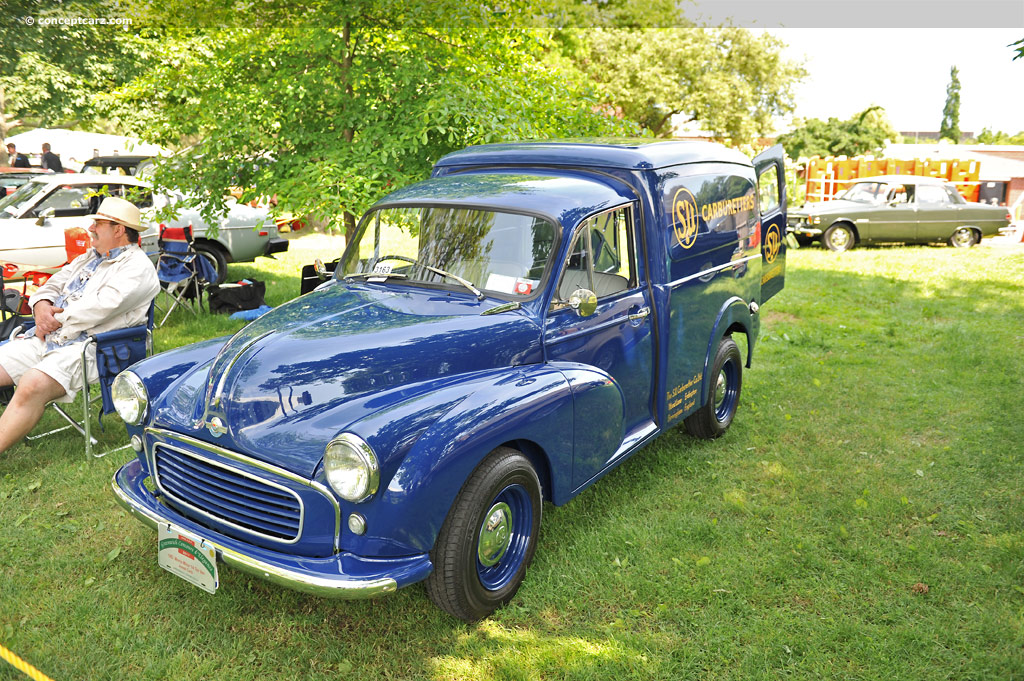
(602, 256)
(768, 190)
(900, 193)
(67, 201)
(931, 195)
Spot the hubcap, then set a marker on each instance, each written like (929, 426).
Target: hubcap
(495, 535)
(504, 538)
(840, 238)
(726, 395)
(963, 237)
(720, 390)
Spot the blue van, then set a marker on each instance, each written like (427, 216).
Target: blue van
(502, 334)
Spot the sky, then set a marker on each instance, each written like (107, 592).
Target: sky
(906, 71)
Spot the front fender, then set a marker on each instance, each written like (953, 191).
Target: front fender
(531, 404)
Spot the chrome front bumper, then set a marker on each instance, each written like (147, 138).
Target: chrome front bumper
(321, 577)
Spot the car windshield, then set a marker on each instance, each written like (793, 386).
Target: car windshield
(865, 192)
(14, 204)
(473, 249)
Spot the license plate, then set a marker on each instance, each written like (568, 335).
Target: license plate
(187, 556)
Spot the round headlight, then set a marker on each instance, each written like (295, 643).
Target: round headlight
(351, 468)
(130, 398)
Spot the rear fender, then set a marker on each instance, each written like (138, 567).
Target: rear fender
(732, 318)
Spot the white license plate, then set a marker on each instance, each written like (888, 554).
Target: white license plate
(187, 556)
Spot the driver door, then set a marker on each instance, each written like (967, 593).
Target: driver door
(613, 347)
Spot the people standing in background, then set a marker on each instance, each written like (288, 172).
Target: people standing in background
(51, 161)
(17, 160)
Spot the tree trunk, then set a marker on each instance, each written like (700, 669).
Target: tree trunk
(350, 228)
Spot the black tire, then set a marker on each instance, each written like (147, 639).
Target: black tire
(964, 237)
(839, 237)
(716, 415)
(504, 490)
(216, 257)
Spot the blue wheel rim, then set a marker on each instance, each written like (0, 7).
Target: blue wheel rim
(513, 507)
(726, 391)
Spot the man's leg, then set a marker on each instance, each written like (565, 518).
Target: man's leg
(34, 392)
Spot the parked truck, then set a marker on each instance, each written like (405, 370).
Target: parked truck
(502, 334)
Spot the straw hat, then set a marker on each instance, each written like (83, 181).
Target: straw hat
(120, 211)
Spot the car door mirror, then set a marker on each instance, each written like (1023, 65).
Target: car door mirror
(44, 215)
(321, 271)
(583, 302)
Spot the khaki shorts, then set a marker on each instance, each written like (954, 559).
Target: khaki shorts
(63, 365)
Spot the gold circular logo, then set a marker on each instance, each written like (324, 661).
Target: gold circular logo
(685, 220)
(772, 243)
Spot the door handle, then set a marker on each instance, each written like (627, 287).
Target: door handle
(638, 317)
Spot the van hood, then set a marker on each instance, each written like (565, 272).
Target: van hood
(289, 382)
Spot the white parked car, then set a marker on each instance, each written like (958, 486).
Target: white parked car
(40, 223)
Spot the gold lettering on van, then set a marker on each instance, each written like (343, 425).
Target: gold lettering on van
(684, 214)
(772, 243)
(721, 209)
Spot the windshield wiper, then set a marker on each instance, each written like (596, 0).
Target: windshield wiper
(436, 270)
(375, 275)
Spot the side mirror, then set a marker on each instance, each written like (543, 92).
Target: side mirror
(321, 271)
(583, 302)
(44, 215)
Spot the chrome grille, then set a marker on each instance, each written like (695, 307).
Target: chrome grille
(228, 494)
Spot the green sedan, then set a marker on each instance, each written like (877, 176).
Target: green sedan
(897, 208)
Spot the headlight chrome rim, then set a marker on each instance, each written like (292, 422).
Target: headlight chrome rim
(351, 467)
(131, 401)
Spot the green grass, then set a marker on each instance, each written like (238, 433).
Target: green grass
(877, 452)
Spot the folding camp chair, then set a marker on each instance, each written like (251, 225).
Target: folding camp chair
(115, 351)
(183, 273)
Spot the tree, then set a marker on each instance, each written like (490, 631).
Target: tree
(866, 132)
(1019, 46)
(729, 81)
(50, 72)
(987, 136)
(950, 128)
(331, 105)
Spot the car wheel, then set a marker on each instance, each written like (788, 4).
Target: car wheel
(839, 237)
(715, 416)
(216, 258)
(965, 237)
(488, 538)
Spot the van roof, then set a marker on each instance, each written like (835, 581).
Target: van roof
(626, 153)
(564, 198)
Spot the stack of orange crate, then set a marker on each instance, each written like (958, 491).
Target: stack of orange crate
(829, 176)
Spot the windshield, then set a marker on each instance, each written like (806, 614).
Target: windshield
(14, 204)
(865, 192)
(496, 252)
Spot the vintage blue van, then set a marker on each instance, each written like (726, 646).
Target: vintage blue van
(502, 334)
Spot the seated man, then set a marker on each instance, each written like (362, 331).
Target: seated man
(108, 287)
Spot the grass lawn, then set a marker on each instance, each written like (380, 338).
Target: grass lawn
(862, 519)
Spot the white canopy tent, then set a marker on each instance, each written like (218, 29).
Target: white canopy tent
(75, 147)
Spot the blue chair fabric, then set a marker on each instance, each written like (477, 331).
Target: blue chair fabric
(115, 351)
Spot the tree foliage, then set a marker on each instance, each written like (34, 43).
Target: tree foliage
(863, 133)
(332, 118)
(729, 81)
(950, 127)
(51, 72)
(987, 136)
